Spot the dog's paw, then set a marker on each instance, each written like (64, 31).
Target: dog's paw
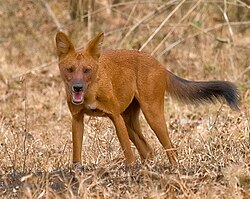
(77, 167)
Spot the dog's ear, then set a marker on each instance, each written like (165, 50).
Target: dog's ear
(63, 44)
(95, 45)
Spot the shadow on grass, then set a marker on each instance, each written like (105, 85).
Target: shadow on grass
(93, 179)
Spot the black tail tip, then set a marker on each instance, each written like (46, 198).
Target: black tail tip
(235, 107)
(232, 97)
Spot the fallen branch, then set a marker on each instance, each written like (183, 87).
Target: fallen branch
(20, 76)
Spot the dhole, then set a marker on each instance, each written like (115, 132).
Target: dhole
(120, 83)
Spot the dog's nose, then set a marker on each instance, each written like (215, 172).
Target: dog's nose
(77, 87)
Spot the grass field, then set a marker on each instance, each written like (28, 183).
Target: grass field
(197, 40)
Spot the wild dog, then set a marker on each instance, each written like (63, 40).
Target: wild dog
(120, 83)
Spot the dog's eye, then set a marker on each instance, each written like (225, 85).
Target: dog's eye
(70, 69)
(87, 70)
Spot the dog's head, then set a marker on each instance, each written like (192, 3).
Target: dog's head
(78, 68)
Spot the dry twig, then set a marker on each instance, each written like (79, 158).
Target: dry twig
(52, 15)
(173, 28)
(162, 24)
(146, 18)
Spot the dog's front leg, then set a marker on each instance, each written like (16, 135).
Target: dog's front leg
(123, 137)
(77, 136)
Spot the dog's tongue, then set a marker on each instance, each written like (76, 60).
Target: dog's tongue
(77, 97)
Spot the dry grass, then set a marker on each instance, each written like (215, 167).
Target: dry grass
(199, 40)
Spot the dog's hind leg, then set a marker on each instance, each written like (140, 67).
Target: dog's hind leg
(154, 114)
(131, 118)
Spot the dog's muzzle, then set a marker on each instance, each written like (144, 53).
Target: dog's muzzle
(77, 94)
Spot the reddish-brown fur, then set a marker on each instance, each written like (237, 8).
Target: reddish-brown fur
(120, 83)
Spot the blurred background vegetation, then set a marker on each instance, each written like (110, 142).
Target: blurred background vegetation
(195, 39)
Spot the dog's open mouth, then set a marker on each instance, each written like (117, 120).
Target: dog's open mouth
(77, 97)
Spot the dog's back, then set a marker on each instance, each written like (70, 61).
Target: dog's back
(133, 69)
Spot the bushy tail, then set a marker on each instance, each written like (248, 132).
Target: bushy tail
(196, 92)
